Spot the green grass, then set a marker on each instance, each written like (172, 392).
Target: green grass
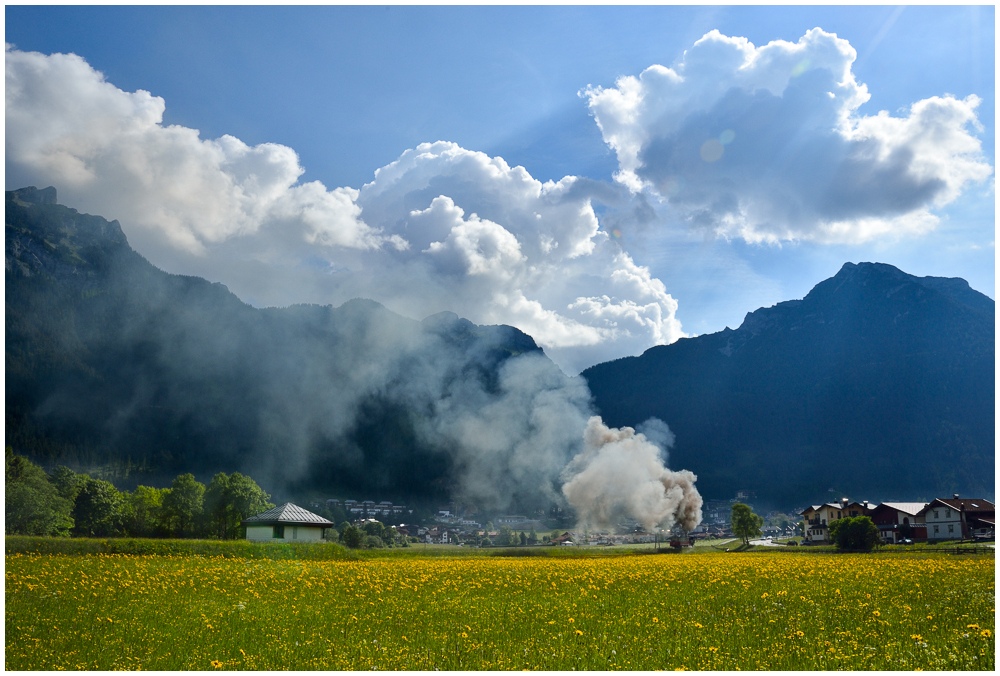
(574, 608)
(239, 549)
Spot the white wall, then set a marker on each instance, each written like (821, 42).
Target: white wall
(943, 518)
(259, 533)
(292, 534)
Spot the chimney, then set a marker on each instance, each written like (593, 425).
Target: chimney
(955, 496)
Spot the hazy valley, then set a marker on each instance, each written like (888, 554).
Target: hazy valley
(877, 385)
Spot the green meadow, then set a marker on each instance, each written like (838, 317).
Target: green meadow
(260, 609)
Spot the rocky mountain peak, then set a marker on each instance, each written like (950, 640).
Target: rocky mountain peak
(33, 195)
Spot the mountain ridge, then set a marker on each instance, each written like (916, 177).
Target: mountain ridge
(853, 374)
(877, 384)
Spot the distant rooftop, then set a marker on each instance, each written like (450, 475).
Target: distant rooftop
(288, 513)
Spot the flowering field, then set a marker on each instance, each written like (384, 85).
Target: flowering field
(689, 611)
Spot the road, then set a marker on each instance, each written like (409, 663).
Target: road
(767, 542)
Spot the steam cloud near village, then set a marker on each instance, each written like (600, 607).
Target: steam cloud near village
(620, 474)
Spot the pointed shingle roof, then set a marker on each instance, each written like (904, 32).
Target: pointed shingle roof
(288, 513)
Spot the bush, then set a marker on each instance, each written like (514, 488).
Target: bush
(855, 533)
(372, 542)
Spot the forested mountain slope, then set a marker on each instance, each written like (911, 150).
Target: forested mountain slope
(877, 384)
(112, 362)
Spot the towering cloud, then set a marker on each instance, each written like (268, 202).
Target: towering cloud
(491, 243)
(620, 475)
(767, 143)
(441, 228)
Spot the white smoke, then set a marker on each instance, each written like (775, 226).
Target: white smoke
(659, 433)
(620, 474)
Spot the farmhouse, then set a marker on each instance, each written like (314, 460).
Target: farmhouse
(900, 520)
(286, 522)
(958, 518)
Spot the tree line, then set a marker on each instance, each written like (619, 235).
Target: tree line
(63, 502)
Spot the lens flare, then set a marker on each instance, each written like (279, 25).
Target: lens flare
(711, 150)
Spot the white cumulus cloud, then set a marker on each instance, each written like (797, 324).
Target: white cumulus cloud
(496, 245)
(440, 228)
(767, 143)
(108, 152)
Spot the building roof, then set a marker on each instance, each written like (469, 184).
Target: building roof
(287, 513)
(967, 505)
(816, 508)
(911, 508)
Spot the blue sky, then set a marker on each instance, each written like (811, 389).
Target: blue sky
(305, 105)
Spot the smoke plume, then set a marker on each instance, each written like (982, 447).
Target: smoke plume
(620, 474)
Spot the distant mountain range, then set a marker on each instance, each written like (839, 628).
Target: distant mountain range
(877, 385)
(113, 363)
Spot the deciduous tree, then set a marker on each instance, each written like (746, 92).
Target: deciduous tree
(183, 505)
(146, 516)
(231, 499)
(745, 523)
(352, 536)
(376, 528)
(855, 533)
(32, 504)
(100, 509)
(67, 482)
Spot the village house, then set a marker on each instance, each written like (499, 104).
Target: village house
(565, 539)
(817, 518)
(958, 518)
(287, 522)
(897, 521)
(943, 519)
(443, 536)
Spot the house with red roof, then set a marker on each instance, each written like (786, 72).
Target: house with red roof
(958, 518)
